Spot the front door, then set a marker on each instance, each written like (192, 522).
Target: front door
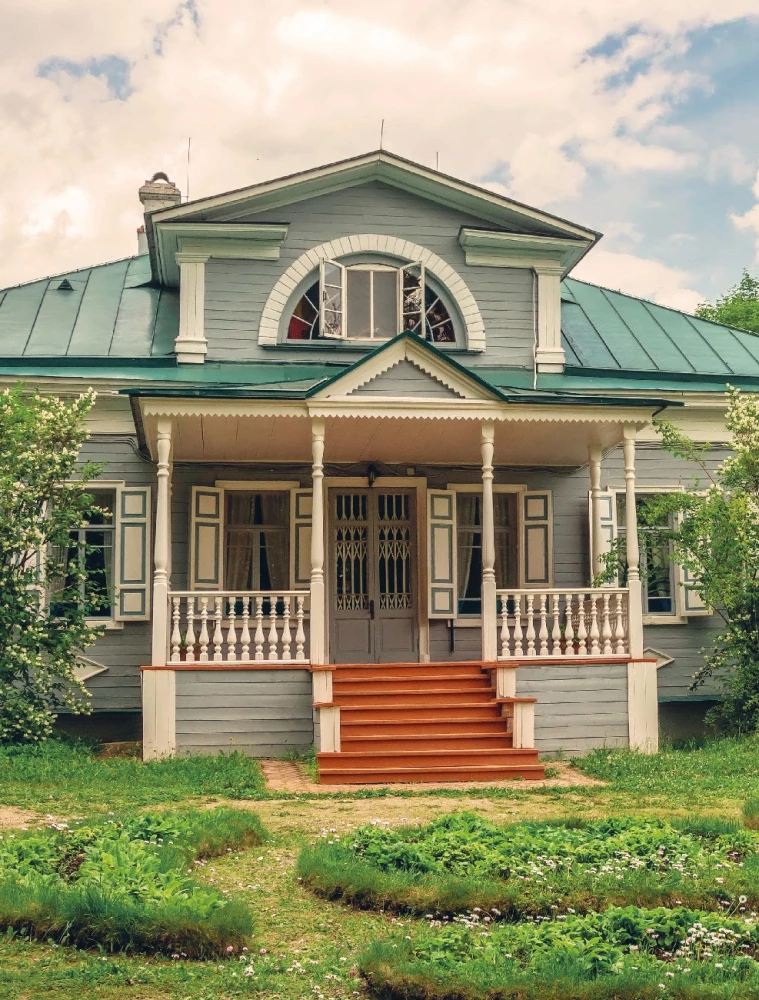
(372, 576)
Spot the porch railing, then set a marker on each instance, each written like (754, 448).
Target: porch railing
(237, 626)
(563, 623)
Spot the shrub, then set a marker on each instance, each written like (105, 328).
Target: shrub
(125, 885)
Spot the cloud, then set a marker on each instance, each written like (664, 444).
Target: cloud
(749, 221)
(526, 95)
(639, 276)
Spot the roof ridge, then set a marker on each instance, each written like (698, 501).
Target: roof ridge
(77, 270)
(659, 305)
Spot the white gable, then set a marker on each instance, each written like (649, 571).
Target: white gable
(408, 380)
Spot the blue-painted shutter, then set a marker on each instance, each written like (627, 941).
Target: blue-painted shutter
(441, 554)
(132, 563)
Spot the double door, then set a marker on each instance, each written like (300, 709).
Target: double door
(372, 576)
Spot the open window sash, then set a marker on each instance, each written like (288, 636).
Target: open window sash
(411, 298)
(332, 288)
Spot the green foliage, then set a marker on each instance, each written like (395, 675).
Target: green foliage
(531, 869)
(125, 884)
(628, 952)
(738, 307)
(61, 774)
(39, 506)
(713, 532)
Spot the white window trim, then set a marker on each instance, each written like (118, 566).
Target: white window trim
(674, 617)
(392, 246)
(475, 621)
(110, 623)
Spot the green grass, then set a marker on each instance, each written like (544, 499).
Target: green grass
(58, 775)
(126, 886)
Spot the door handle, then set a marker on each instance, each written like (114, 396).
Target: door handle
(371, 610)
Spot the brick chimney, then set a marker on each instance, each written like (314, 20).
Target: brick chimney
(159, 192)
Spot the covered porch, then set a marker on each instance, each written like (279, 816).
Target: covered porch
(324, 455)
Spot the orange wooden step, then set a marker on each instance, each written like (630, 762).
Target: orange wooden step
(412, 743)
(402, 710)
(405, 682)
(416, 696)
(391, 776)
(364, 671)
(427, 758)
(495, 726)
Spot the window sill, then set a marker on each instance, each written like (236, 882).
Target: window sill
(665, 620)
(110, 624)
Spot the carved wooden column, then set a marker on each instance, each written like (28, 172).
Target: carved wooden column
(191, 345)
(635, 607)
(489, 610)
(160, 643)
(318, 606)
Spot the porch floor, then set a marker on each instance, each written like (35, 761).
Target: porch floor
(422, 722)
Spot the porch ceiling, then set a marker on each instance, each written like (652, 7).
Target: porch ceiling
(281, 432)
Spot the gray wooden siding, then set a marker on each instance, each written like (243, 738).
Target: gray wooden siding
(236, 290)
(405, 379)
(579, 707)
(263, 713)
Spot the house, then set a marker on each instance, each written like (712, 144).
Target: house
(367, 443)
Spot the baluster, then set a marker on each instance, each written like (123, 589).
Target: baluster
(189, 639)
(619, 625)
(232, 631)
(300, 635)
(556, 630)
(518, 634)
(543, 634)
(259, 636)
(595, 649)
(245, 633)
(582, 634)
(176, 635)
(273, 637)
(530, 609)
(569, 631)
(203, 638)
(286, 636)
(505, 628)
(606, 626)
(218, 635)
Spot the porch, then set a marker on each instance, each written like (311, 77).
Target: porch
(565, 641)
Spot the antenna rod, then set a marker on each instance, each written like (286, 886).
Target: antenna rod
(189, 140)
(382, 132)
(437, 161)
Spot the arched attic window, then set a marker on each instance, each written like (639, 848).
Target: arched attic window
(370, 302)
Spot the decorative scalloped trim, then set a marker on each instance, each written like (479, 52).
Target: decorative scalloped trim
(435, 376)
(268, 331)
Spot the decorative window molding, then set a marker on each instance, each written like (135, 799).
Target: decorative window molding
(454, 284)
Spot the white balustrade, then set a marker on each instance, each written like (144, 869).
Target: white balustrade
(563, 623)
(210, 626)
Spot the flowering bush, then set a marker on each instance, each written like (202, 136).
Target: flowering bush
(39, 506)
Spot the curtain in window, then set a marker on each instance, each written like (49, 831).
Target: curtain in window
(505, 541)
(468, 516)
(275, 515)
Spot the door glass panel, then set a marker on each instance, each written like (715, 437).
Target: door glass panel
(393, 551)
(351, 552)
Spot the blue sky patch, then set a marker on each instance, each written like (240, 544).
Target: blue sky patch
(115, 70)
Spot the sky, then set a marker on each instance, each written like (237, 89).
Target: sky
(637, 118)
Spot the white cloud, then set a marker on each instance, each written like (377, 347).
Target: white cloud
(640, 276)
(729, 162)
(268, 88)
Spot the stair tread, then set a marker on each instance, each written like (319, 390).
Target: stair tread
(492, 702)
(442, 768)
(431, 736)
(507, 751)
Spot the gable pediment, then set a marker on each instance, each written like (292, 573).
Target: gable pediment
(406, 368)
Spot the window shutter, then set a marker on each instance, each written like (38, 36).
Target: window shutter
(332, 287)
(689, 601)
(206, 569)
(411, 296)
(132, 553)
(441, 553)
(607, 507)
(300, 539)
(537, 535)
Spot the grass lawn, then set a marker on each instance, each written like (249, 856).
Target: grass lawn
(305, 946)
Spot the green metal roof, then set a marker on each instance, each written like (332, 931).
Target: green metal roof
(112, 322)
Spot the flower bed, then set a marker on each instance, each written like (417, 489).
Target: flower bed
(624, 953)
(126, 884)
(529, 869)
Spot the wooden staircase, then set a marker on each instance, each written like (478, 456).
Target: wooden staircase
(422, 722)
